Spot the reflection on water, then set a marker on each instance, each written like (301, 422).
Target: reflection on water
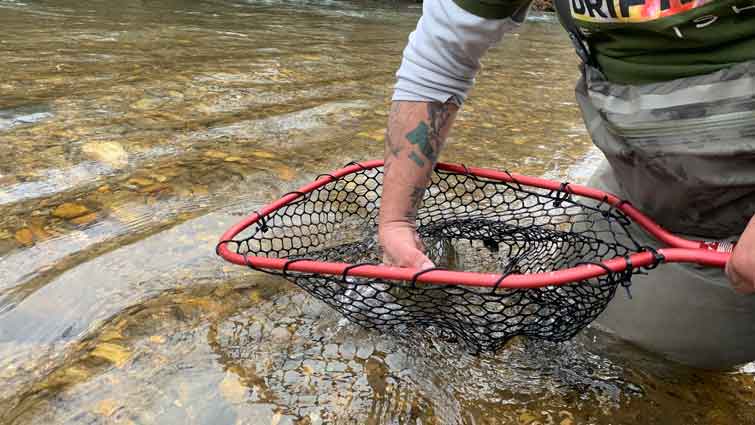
(133, 133)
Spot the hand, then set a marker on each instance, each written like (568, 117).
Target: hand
(402, 246)
(740, 269)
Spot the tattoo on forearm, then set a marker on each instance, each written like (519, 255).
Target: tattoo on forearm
(392, 145)
(440, 115)
(420, 137)
(428, 137)
(415, 198)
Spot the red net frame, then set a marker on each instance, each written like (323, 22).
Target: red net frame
(677, 249)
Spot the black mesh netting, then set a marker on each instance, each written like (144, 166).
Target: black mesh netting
(467, 223)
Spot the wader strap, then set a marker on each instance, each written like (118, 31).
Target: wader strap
(563, 9)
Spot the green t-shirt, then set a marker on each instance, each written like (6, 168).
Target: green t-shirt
(643, 41)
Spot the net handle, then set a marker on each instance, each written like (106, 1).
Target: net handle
(681, 251)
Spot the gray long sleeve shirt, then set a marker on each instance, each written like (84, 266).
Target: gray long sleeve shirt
(443, 54)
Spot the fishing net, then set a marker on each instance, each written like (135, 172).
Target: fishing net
(467, 223)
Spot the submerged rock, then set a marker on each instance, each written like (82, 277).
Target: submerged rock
(70, 210)
(24, 236)
(111, 153)
(280, 335)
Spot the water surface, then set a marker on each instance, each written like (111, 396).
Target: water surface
(133, 133)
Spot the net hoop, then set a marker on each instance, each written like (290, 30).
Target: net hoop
(679, 249)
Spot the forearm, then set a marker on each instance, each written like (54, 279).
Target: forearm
(416, 134)
(436, 73)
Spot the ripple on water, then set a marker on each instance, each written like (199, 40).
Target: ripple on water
(23, 115)
(128, 316)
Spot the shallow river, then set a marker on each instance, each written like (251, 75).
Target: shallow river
(133, 133)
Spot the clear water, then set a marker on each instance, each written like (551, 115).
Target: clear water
(132, 134)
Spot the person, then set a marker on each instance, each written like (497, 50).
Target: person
(667, 94)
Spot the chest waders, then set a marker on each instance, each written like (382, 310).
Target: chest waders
(682, 150)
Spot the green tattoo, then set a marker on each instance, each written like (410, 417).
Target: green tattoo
(420, 136)
(417, 160)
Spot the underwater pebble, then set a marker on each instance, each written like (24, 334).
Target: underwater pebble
(146, 103)
(314, 418)
(70, 210)
(111, 153)
(280, 335)
(231, 389)
(312, 309)
(355, 367)
(263, 154)
(395, 361)
(348, 350)
(25, 236)
(527, 418)
(291, 377)
(315, 366)
(331, 350)
(365, 351)
(140, 181)
(335, 367)
(84, 219)
(215, 154)
(157, 339)
(107, 407)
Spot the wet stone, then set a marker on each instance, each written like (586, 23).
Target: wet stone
(24, 236)
(396, 361)
(312, 309)
(37, 228)
(263, 154)
(107, 407)
(84, 219)
(315, 366)
(6, 245)
(157, 339)
(384, 346)
(307, 400)
(153, 188)
(111, 153)
(355, 367)
(215, 154)
(335, 367)
(10, 118)
(315, 418)
(146, 103)
(291, 364)
(140, 181)
(292, 377)
(331, 351)
(348, 350)
(365, 351)
(526, 418)
(280, 335)
(231, 389)
(70, 210)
